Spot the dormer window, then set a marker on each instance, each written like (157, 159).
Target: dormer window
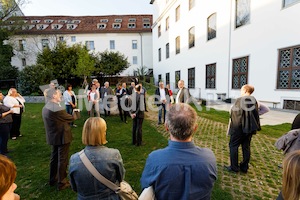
(118, 20)
(116, 25)
(56, 26)
(101, 26)
(35, 21)
(76, 21)
(41, 26)
(104, 20)
(132, 20)
(146, 19)
(48, 21)
(27, 27)
(131, 25)
(62, 21)
(71, 26)
(146, 25)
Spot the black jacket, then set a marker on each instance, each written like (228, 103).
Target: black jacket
(157, 96)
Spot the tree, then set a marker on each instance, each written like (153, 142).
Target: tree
(7, 71)
(110, 63)
(10, 8)
(85, 65)
(142, 72)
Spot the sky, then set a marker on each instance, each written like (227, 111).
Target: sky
(86, 7)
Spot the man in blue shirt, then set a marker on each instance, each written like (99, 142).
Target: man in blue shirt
(182, 170)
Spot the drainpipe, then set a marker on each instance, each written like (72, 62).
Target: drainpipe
(229, 48)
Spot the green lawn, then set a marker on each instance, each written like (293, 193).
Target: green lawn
(31, 153)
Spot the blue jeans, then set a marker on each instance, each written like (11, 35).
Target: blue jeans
(163, 107)
(69, 109)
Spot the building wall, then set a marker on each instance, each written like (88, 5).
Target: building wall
(271, 27)
(123, 44)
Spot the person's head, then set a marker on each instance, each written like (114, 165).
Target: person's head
(52, 85)
(94, 132)
(168, 86)
(161, 85)
(54, 95)
(138, 88)
(181, 122)
(180, 84)
(132, 84)
(93, 87)
(291, 178)
(247, 90)
(97, 85)
(69, 87)
(106, 84)
(12, 92)
(8, 174)
(94, 81)
(123, 85)
(119, 85)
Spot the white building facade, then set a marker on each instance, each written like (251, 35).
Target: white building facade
(128, 34)
(218, 46)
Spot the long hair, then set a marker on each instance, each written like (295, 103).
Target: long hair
(8, 174)
(291, 176)
(94, 131)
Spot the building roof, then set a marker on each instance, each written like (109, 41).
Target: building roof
(82, 24)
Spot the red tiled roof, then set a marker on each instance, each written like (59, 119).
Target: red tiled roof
(88, 24)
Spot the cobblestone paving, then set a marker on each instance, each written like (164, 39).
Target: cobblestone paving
(263, 180)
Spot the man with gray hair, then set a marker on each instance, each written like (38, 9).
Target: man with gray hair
(182, 170)
(183, 94)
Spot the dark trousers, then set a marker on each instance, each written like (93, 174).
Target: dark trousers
(123, 114)
(106, 109)
(58, 164)
(4, 134)
(237, 139)
(162, 108)
(69, 110)
(137, 124)
(16, 124)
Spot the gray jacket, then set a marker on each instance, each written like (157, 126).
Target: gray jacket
(289, 142)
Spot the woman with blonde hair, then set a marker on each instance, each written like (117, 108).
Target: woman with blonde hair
(107, 161)
(291, 177)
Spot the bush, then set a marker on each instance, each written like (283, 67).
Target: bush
(31, 77)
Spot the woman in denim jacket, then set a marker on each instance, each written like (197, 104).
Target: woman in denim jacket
(107, 161)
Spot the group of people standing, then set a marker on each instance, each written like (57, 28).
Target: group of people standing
(11, 109)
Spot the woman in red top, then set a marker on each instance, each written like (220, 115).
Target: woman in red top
(170, 93)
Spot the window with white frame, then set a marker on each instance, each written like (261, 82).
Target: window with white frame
(177, 42)
(118, 20)
(101, 26)
(112, 44)
(211, 76)
(134, 60)
(132, 20)
(146, 25)
(212, 26)
(167, 23)
(167, 50)
(61, 38)
(242, 12)
(159, 54)
(104, 20)
(116, 25)
(289, 2)
(289, 68)
(90, 45)
(192, 37)
(73, 38)
(22, 44)
(177, 13)
(191, 4)
(239, 72)
(159, 78)
(191, 77)
(131, 25)
(45, 43)
(134, 44)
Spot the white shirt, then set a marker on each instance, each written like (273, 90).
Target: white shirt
(162, 94)
(177, 96)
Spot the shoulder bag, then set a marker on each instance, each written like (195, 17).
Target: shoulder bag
(125, 191)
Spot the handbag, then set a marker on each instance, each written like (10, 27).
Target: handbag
(76, 114)
(147, 194)
(124, 191)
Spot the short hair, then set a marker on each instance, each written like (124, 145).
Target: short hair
(160, 83)
(69, 85)
(181, 121)
(94, 132)
(138, 87)
(290, 178)
(248, 88)
(50, 93)
(95, 80)
(8, 174)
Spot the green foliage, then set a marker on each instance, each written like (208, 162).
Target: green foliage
(31, 77)
(142, 72)
(110, 63)
(7, 71)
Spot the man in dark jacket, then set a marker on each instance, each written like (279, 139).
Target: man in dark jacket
(59, 136)
(244, 123)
